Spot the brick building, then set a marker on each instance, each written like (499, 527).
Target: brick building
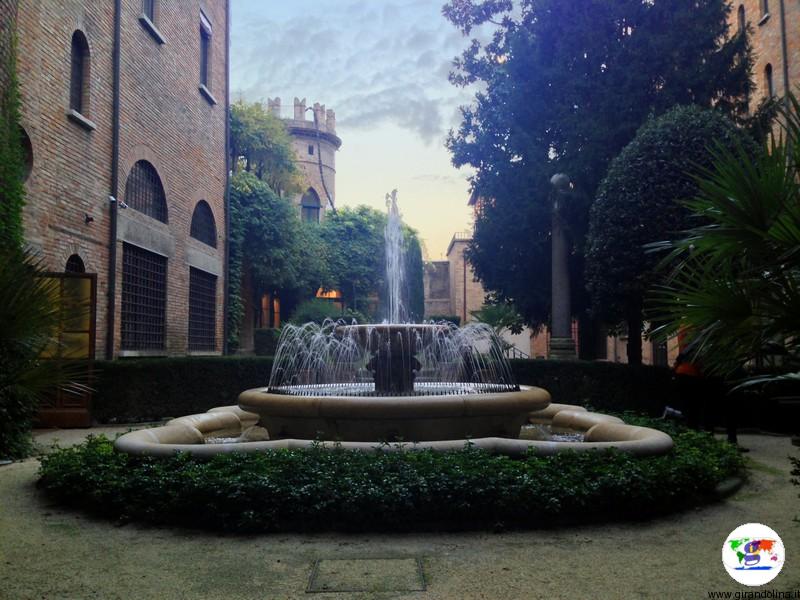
(124, 110)
(775, 36)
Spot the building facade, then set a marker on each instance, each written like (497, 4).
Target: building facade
(124, 110)
(774, 27)
(315, 145)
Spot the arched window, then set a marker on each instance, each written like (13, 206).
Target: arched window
(27, 154)
(203, 227)
(770, 88)
(742, 20)
(75, 265)
(144, 192)
(309, 206)
(79, 74)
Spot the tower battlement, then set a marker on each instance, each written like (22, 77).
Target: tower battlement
(324, 118)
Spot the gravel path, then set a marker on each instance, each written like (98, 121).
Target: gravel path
(49, 553)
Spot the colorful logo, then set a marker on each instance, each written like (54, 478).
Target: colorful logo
(753, 554)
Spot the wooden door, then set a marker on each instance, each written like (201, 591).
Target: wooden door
(76, 294)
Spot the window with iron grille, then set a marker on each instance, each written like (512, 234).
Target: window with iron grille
(79, 73)
(310, 206)
(144, 192)
(144, 299)
(202, 310)
(203, 227)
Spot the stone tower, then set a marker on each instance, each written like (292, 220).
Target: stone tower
(315, 144)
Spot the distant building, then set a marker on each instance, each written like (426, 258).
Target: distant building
(124, 110)
(775, 37)
(315, 145)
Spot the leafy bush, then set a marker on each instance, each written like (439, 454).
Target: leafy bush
(319, 489)
(265, 341)
(315, 311)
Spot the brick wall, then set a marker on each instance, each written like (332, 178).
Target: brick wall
(164, 119)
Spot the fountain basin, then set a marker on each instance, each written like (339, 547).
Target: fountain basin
(395, 418)
(187, 434)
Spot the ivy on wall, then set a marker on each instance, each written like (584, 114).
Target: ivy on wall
(12, 161)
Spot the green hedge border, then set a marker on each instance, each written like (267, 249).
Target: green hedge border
(135, 390)
(316, 489)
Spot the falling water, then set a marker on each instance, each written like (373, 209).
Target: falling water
(395, 263)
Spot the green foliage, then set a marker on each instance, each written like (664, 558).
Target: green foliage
(315, 310)
(357, 259)
(149, 389)
(734, 285)
(564, 90)
(261, 145)
(265, 341)
(317, 489)
(29, 317)
(640, 202)
(499, 316)
(269, 242)
(12, 160)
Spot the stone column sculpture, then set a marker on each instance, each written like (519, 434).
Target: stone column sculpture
(562, 346)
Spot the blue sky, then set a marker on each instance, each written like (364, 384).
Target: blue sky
(382, 65)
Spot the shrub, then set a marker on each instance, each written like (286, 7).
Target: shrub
(148, 389)
(265, 341)
(320, 489)
(315, 311)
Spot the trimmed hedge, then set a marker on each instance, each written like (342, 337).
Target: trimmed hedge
(317, 489)
(149, 389)
(265, 341)
(618, 387)
(134, 390)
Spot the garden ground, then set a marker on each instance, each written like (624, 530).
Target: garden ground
(50, 553)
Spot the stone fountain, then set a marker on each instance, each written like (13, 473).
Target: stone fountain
(412, 385)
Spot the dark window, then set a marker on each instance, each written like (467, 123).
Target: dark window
(309, 206)
(768, 80)
(660, 354)
(310, 150)
(742, 21)
(75, 265)
(205, 52)
(144, 192)
(202, 310)
(27, 154)
(149, 9)
(79, 73)
(203, 227)
(144, 299)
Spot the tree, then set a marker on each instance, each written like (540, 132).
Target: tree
(640, 202)
(565, 86)
(268, 240)
(734, 281)
(260, 144)
(356, 259)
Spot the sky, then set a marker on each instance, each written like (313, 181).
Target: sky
(382, 66)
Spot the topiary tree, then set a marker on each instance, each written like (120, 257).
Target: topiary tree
(640, 202)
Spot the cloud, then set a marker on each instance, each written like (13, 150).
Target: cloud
(373, 63)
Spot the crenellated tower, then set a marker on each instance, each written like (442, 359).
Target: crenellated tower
(315, 144)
